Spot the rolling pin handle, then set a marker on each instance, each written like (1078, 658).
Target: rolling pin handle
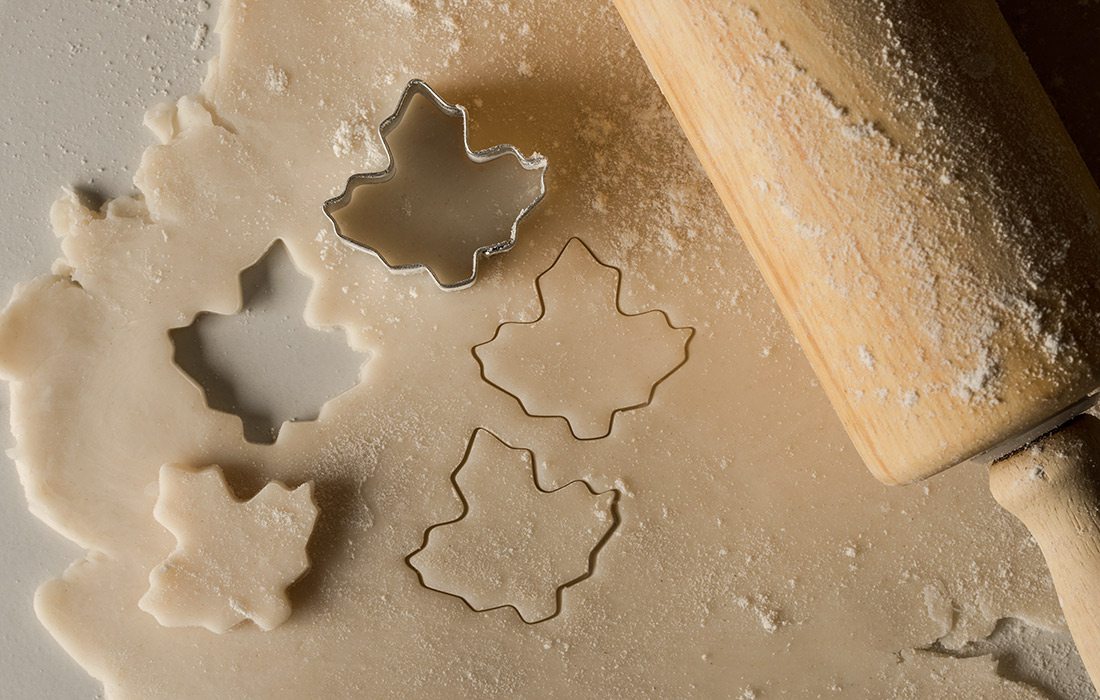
(1053, 486)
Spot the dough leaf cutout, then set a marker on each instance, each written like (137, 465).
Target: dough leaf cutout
(233, 559)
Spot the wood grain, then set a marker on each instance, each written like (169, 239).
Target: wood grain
(1054, 488)
(912, 200)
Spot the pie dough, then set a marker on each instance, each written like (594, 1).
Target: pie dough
(525, 559)
(549, 363)
(233, 560)
(753, 556)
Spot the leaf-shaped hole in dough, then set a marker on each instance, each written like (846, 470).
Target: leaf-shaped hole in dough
(265, 364)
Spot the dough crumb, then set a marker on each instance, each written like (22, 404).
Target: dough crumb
(276, 80)
(769, 618)
(622, 488)
(200, 37)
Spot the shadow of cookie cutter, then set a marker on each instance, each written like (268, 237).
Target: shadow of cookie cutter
(419, 87)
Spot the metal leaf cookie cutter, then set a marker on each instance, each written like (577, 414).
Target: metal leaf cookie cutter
(434, 220)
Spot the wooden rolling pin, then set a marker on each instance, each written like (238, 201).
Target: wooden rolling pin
(929, 231)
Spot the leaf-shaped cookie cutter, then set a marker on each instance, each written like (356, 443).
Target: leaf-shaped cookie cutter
(415, 87)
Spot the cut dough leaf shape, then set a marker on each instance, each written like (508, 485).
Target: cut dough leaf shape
(514, 545)
(583, 359)
(233, 560)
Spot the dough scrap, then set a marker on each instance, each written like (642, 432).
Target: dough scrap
(547, 542)
(737, 481)
(233, 559)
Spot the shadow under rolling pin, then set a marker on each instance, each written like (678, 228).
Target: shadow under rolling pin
(928, 230)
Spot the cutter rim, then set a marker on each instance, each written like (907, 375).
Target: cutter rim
(414, 87)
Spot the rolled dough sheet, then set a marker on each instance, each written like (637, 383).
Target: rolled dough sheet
(752, 555)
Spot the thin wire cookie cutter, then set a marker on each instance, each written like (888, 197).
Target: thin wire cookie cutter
(535, 162)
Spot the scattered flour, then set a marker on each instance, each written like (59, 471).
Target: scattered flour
(975, 384)
(909, 398)
(401, 7)
(866, 357)
(668, 240)
(358, 133)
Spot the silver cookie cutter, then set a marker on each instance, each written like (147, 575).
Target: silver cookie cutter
(534, 162)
